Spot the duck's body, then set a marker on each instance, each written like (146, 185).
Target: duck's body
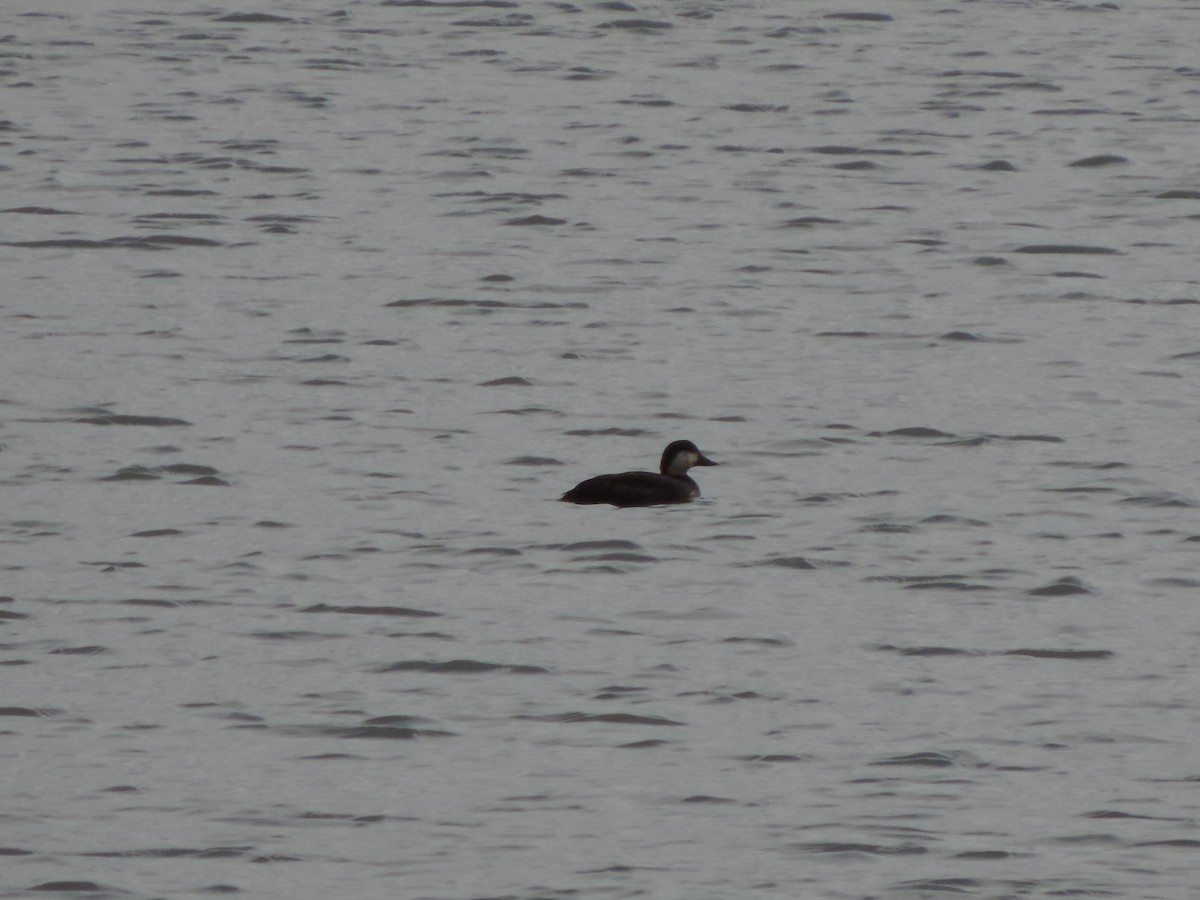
(670, 485)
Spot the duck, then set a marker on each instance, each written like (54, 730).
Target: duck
(670, 485)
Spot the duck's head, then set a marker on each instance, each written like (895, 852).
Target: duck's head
(681, 456)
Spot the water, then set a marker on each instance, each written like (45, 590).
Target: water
(309, 319)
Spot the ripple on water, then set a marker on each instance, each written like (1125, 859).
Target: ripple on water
(458, 667)
(109, 418)
(1068, 586)
(403, 611)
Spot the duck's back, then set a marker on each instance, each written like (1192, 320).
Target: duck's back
(633, 489)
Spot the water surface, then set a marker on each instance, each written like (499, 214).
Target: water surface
(311, 314)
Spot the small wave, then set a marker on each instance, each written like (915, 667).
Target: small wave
(458, 667)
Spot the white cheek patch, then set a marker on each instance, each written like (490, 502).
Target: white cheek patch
(684, 461)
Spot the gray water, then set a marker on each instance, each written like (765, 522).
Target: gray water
(311, 313)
